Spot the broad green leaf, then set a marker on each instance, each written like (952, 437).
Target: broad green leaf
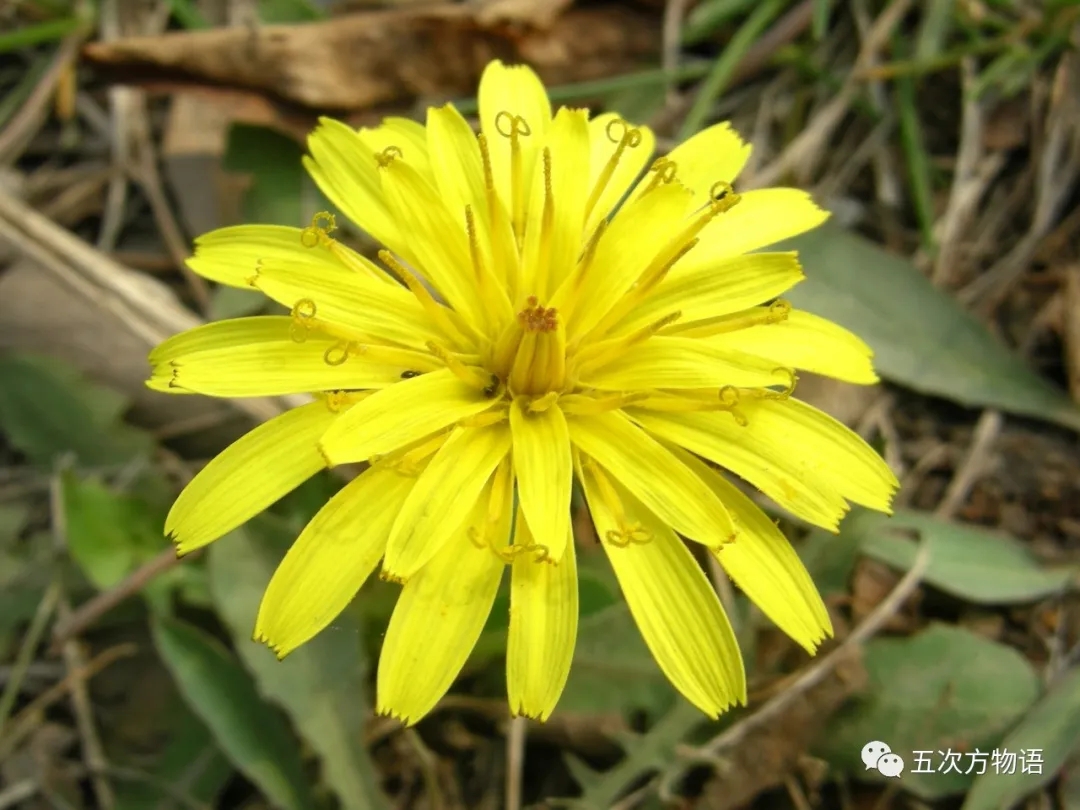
(252, 733)
(830, 558)
(613, 670)
(108, 533)
(190, 762)
(1051, 727)
(921, 337)
(322, 686)
(974, 564)
(234, 302)
(281, 193)
(943, 689)
(48, 409)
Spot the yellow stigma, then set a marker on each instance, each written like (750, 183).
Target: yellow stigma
(539, 364)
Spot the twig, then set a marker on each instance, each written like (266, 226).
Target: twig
(22, 128)
(671, 39)
(806, 149)
(141, 304)
(93, 609)
(819, 671)
(974, 464)
(75, 661)
(24, 722)
(1055, 177)
(26, 652)
(121, 100)
(515, 761)
(427, 768)
(18, 792)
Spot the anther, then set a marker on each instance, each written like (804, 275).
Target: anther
(723, 197)
(335, 400)
(779, 310)
(303, 312)
(388, 156)
(535, 318)
(338, 353)
(322, 225)
(511, 126)
(663, 171)
(467, 374)
(628, 138)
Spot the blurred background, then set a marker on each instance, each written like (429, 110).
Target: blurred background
(944, 135)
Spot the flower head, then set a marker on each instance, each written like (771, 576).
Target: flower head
(549, 307)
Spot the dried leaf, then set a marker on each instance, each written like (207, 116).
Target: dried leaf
(360, 60)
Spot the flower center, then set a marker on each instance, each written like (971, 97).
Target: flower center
(534, 350)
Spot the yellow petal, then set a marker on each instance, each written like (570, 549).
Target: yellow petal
(456, 165)
(658, 479)
(443, 496)
(518, 91)
(407, 135)
(765, 567)
(356, 303)
(400, 415)
(604, 137)
(345, 169)
(250, 357)
(761, 218)
(804, 460)
(248, 476)
(231, 255)
(674, 606)
(624, 252)
(543, 628)
(432, 237)
(325, 567)
(676, 362)
(714, 154)
(437, 621)
(544, 470)
(806, 341)
(728, 286)
(556, 211)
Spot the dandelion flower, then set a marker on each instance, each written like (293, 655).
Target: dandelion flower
(549, 307)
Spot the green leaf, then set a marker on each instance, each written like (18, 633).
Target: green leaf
(613, 670)
(48, 409)
(322, 686)
(943, 689)
(281, 193)
(234, 302)
(1052, 727)
(108, 533)
(191, 762)
(252, 734)
(830, 558)
(288, 11)
(974, 564)
(921, 337)
(12, 519)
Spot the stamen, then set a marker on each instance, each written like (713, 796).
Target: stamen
(727, 399)
(515, 127)
(474, 245)
(470, 375)
(433, 308)
(504, 251)
(535, 318)
(303, 313)
(338, 353)
(595, 355)
(388, 156)
(792, 379)
(628, 138)
(409, 463)
(318, 232)
(566, 297)
(335, 400)
(663, 172)
(777, 312)
(626, 532)
(584, 404)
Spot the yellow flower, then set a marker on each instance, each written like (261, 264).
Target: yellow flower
(541, 315)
